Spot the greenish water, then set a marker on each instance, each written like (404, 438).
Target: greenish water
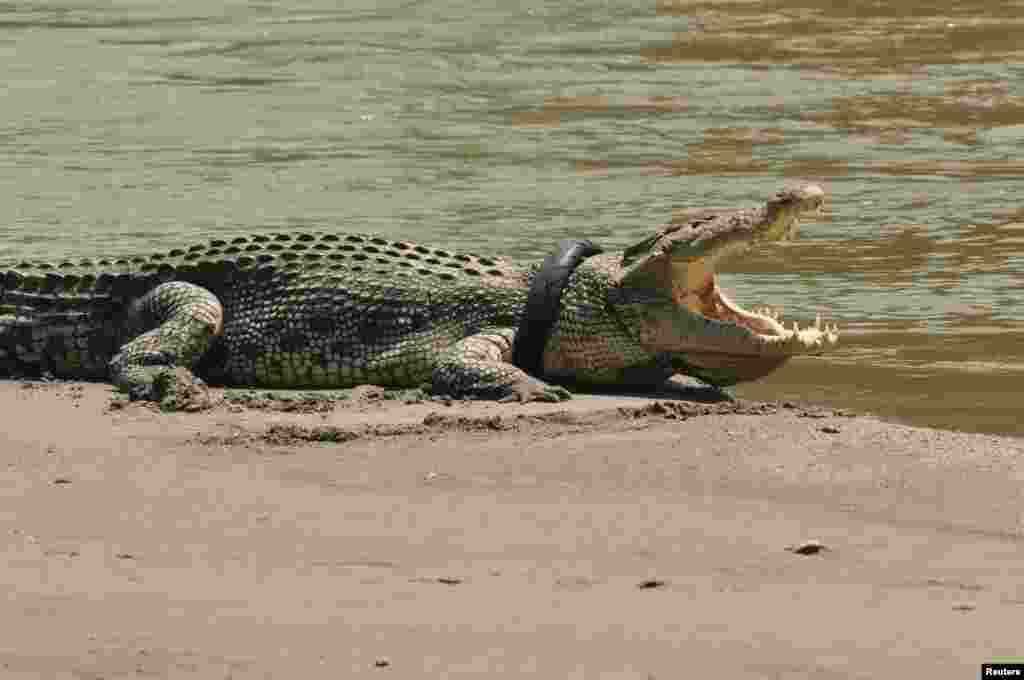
(131, 126)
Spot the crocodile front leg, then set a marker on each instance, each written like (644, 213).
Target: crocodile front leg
(480, 367)
(178, 322)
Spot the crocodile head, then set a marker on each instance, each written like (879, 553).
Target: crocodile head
(668, 281)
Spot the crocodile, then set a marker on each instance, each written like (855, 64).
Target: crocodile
(333, 310)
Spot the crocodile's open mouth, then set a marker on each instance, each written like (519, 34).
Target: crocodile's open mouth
(712, 303)
(707, 334)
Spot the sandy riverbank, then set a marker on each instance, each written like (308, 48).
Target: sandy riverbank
(601, 538)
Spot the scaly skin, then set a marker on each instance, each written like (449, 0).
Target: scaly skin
(328, 310)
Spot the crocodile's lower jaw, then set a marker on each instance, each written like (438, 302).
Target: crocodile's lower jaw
(772, 339)
(728, 369)
(742, 357)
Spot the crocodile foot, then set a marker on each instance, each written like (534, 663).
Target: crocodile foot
(531, 389)
(173, 388)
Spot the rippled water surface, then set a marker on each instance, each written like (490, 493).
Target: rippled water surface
(502, 127)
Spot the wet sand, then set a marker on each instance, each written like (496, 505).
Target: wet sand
(608, 537)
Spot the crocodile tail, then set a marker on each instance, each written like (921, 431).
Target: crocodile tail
(62, 324)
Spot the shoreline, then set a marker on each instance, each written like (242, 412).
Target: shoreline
(608, 536)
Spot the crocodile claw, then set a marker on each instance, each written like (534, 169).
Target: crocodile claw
(173, 388)
(535, 390)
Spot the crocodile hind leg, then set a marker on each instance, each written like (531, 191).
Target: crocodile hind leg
(177, 322)
(480, 366)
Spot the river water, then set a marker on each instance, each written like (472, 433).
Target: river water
(131, 125)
